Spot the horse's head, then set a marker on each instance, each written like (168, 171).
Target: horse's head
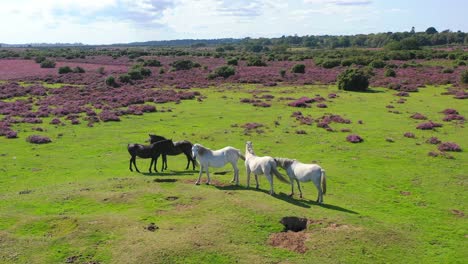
(195, 149)
(249, 147)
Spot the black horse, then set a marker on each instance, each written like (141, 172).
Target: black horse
(183, 146)
(153, 151)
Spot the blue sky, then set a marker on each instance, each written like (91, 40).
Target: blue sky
(122, 21)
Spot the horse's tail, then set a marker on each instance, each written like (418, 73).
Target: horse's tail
(324, 182)
(240, 155)
(277, 173)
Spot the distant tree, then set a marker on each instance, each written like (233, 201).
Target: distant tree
(256, 61)
(179, 65)
(412, 30)
(64, 69)
(431, 30)
(152, 63)
(464, 77)
(232, 61)
(223, 71)
(48, 64)
(298, 68)
(110, 81)
(409, 44)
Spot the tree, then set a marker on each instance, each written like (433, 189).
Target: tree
(431, 30)
(353, 80)
(298, 68)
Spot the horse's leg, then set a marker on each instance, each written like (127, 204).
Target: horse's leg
(292, 187)
(188, 160)
(134, 163)
(131, 159)
(248, 177)
(236, 174)
(299, 187)
(208, 174)
(199, 176)
(319, 190)
(270, 179)
(164, 161)
(156, 162)
(151, 164)
(256, 182)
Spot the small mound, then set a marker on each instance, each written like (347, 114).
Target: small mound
(294, 241)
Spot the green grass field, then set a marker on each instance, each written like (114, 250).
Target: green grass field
(75, 200)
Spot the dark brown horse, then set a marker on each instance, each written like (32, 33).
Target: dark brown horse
(153, 151)
(183, 146)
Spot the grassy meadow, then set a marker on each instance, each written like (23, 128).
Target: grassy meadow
(75, 200)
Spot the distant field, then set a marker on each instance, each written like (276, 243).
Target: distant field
(74, 200)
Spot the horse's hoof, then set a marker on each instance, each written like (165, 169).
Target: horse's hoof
(197, 183)
(207, 183)
(291, 195)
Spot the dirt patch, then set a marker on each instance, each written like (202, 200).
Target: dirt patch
(292, 223)
(164, 180)
(25, 192)
(405, 193)
(152, 227)
(213, 182)
(294, 241)
(172, 198)
(457, 212)
(72, 259)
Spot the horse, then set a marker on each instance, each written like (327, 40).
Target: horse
(261, 165)
(216, 158)
(183, 146)
(304, 172)
(148, 151)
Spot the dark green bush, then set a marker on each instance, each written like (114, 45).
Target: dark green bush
(378, 64)
(40, 59)
(64, 69)
(223, 71)
(255, 61)
(125, 78)
(232, 61)
(331, 63)
(464, 77)
(389, 72)
(282, 73)
(180, 65)
(152, 63)
(110, 81)
(448, 70)
(353, 80)
(78, 69)
(298, 68)
(48, 64)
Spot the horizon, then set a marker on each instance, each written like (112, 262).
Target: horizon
(95, 22)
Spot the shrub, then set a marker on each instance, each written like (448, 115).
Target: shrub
(78, 69)
(464, 77)
(418, 116)
(256, 61)
(332, 63)
(298, 68)
(223, 71)
(389, 73)
(135, 74)
(428, 126)
(433, 140)
(450, 111)
(353, 80)
(36, 139)
(40, 59)
(124, 78)
(64, 69)
(409, 135)
(378, 64)
(232, 61)
(161, 71)
(180, 65)
(152, 63)
(449, 146)
(110, 81)
(48, 64)
(282, 73)
(448, 70)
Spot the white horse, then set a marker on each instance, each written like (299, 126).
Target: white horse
(261, 165)
(304, 172)
(216, 158)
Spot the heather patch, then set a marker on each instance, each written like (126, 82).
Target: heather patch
(353, 138)
(418, 116)
(37, 139)
(428, 125)
(449, 146)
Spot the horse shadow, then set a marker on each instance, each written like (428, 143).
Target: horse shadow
(286, 198)
(169, 173)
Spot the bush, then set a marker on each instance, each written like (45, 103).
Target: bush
(448, 70)
(298, 68)
(232, 61)
(64, 69)
(180, 65)
(110, 81)
(353, 138)
(223, 71)
(256, 61)
(449, 146)
(135, 74)
(378, 64)
(328, 64)
(78, 69)
(48, 64)
(282, 73)
(389, 72)
(124, 78)
(40, 59)
(353, 80)
(36, 139)
(152, 63)
(464, 77)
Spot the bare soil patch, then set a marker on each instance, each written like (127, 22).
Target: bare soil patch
(458, 212)
(152, 227)
(294, 241)
(165, 180)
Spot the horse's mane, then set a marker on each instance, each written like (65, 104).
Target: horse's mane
(284, 162)
(249, 148)
(201, 149)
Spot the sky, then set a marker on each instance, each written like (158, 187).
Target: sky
(124, 21)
